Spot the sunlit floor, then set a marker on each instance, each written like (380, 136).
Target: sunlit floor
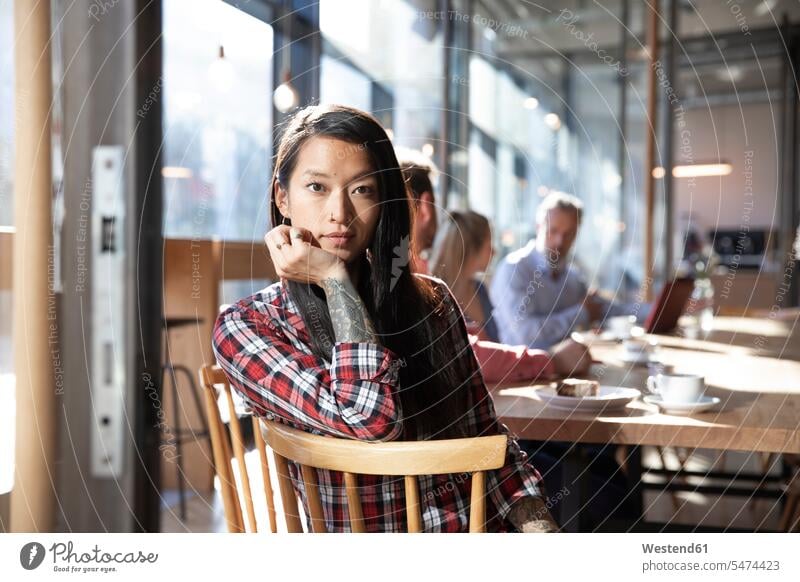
(691, 508)
(205, 511)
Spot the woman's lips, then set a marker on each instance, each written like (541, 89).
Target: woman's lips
(339, 240)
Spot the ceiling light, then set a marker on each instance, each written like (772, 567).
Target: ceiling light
(552, 121)
(530, 103)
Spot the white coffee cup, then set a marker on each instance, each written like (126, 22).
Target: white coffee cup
(683, 388)
(621, 325)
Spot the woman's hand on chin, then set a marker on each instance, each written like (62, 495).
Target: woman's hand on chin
(297, 259)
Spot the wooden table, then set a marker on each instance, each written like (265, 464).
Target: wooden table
(752, 365)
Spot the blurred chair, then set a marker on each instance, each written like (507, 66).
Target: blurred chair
(181, 434)
(212, 377)
(352, 457)
(622, 454)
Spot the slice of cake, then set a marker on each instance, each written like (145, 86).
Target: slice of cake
(577, 388)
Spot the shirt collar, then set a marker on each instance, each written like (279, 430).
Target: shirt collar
(291, 314)
(538, 259)
(286, 300)
(541, 263)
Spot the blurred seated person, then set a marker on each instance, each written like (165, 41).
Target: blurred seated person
(498, 362)
(462, 252)
(419, 172)
(539, 297)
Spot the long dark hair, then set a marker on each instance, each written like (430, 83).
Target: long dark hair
(407, 311)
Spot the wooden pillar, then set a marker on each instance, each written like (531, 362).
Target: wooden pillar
(650, 153)
(33, 497)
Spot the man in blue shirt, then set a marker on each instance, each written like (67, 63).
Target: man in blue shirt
(539, 297)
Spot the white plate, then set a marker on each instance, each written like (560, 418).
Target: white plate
(609, 397)
(683, 408)
(591, 338)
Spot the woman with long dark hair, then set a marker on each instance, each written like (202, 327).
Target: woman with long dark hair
(350, 343)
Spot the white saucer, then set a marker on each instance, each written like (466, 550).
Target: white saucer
(637, 357)
(683, 408)
(609, 397)
(613, 336)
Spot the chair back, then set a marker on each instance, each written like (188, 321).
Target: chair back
(352, 457)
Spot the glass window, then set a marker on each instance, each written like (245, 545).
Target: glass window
(383, 57)
(633, 203)
(218, 121)
(596, 138)
(8, 112)
(544, 113)
(342, 83)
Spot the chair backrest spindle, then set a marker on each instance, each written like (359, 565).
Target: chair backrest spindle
(477, 505)
(312, 496)
(414, 515)
(354, 503)
(227, 443)
(293, 524)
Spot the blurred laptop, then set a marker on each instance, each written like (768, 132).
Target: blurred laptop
(669, 306)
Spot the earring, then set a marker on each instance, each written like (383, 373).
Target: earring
(283, 220)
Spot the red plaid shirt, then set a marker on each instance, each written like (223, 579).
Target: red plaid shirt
(264, 348)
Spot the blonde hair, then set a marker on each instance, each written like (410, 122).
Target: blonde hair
(462, 235)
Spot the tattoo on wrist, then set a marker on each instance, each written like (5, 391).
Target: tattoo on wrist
(351, 322)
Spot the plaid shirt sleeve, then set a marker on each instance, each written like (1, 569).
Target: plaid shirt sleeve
(355, 396)
(517, 478)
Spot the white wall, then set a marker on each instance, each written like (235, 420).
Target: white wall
(727, 133)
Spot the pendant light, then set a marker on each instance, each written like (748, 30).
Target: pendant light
(220, 72)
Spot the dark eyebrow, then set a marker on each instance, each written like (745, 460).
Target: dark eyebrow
(315, 174)
(366, 175)
(311, 173)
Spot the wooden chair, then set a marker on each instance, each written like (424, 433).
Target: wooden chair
(221, 440)
(406, 459)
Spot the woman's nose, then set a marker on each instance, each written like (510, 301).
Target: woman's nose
(338, 209)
